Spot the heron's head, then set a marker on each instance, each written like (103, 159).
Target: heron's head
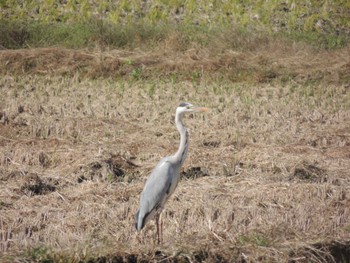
(188, 107)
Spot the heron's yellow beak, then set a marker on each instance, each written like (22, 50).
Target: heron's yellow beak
(201, 109)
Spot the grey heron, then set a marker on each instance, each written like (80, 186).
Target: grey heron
(165, 176)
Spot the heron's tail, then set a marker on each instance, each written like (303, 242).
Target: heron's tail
(140, 220)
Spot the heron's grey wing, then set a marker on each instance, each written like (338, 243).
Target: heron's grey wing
(155, 192)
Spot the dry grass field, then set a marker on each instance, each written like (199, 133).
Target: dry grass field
(267, 178)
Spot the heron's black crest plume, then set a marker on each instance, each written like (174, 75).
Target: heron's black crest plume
(184, 104)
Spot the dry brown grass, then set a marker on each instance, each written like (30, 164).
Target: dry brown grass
(75, 153)
(267, 60)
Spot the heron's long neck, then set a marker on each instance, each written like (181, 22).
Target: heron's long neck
(181, 153)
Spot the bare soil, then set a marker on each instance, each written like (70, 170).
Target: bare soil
(267, 176)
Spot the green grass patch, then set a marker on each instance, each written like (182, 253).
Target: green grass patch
(20, 34)
(317, 39)
(77, 24)
(258, 240)
(39, 254)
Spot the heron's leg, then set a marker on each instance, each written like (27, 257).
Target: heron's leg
(161, 227)
(157, 223)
